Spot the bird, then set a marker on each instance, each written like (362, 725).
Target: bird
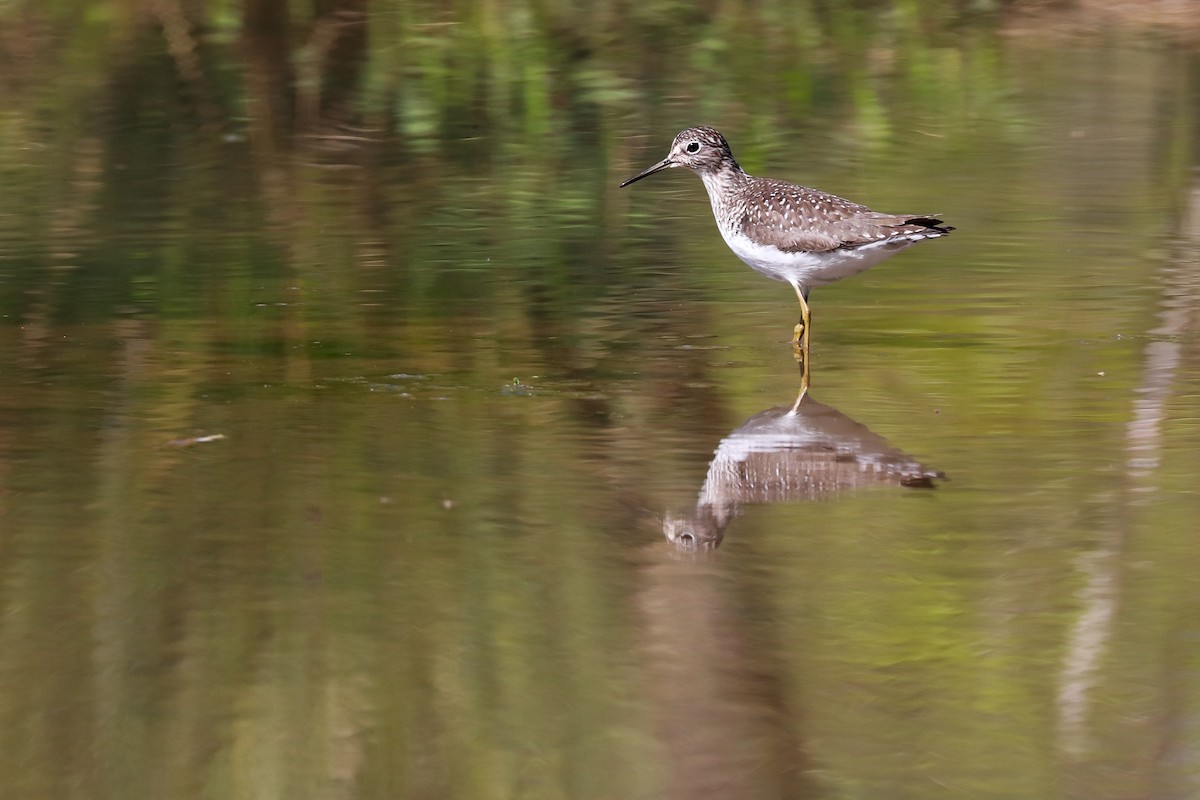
(791, 233)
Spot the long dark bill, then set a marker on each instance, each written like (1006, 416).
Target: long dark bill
(659, 167)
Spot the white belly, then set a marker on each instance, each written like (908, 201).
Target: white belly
(808, 269)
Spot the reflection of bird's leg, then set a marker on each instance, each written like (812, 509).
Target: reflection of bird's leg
(803, 384)
(801, 356)
(800, 337)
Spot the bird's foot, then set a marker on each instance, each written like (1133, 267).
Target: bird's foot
(798, 335)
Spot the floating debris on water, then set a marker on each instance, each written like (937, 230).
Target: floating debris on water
(195, 440)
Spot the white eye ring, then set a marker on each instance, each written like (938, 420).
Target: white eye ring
(692, 147)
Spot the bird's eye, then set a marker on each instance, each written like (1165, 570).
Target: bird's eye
(692, 147)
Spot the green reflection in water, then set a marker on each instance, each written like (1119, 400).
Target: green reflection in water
(462, 382)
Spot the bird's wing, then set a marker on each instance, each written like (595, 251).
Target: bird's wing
(799, 219)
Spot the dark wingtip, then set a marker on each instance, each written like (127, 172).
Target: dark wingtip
(930, 222)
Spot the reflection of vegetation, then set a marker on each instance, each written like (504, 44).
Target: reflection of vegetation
(539, 92)
(377, 135)
(333, 237)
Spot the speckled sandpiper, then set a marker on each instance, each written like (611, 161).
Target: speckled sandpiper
(787, 232)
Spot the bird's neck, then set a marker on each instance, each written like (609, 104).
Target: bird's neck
(723, 184)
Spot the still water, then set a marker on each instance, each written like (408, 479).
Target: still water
(368, 442)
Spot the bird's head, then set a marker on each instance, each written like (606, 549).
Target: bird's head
(701, 149)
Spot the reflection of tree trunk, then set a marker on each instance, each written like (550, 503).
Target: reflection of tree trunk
(719, 710)
(291, 86)
(297, 93)
(180, 38)
(1100, 595)
(1181, 284)
(268, 76)
(300, 91)
(67, 229)
(339, 52)
(1089, 637)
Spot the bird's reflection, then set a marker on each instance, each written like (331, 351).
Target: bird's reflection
(806, 451)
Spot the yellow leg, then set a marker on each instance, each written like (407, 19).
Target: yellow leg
(800, 344)
(800, 337)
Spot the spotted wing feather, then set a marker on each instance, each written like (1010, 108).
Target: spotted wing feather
(798, 219)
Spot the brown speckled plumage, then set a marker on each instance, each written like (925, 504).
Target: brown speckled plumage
(798, 219)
